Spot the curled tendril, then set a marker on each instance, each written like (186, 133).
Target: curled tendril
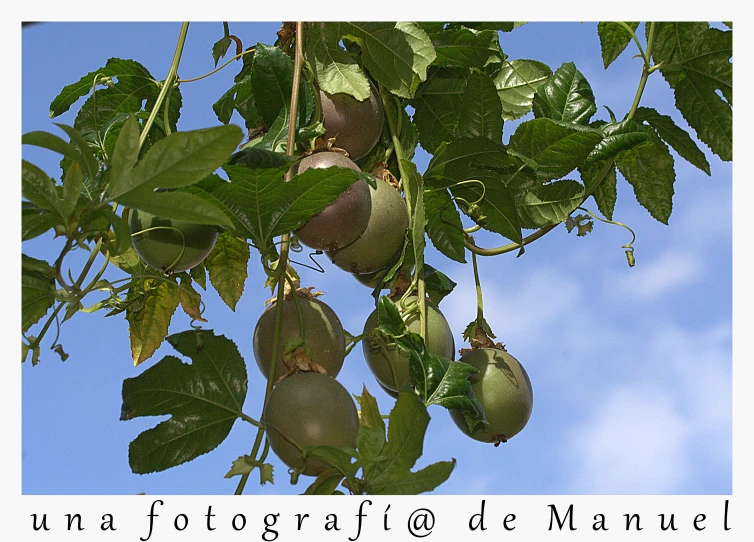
(628, 246)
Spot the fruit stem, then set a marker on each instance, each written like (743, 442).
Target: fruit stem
(479, 301)
(407, 191)
(166, 85)
(282, 266)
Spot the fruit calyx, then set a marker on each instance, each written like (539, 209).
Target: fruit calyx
(382, 172)
(303, 293)
(482, 340)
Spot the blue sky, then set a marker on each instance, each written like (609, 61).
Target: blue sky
(631, 367)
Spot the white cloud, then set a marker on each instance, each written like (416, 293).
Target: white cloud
(634, 444)
(671, 270)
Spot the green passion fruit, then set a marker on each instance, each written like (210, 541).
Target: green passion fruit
(388, 363)
(309, 409)
(503, 389)
(170, 244)
(355, 125)
(323, 331)
(382, 240)
(340, 223)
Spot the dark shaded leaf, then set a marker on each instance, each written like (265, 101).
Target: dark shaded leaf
(617, 137)
(465, 48)
(601, 174)
(481, 111)
(204, 399)
(272, 81)
(614, 38)
(696, 62)
(37, 290)
(674, 136)
(437, 284)
(549, 204)
(444, 226)
(556, 148)
(437, 106)
(649, 169)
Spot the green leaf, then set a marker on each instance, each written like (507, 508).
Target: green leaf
(389, 318)
(414, 183)
(227, 264)
(481, 111)
(135, 91)
(87, 160)
(325, 483)
(614, 38)
(566, 96)
(72, 184)
(149, 317)
(204, 399)
(413, 483)
(370, 440)
(220, 48)
(649, 169)
(395, 54)
(549, 204)
(437, 106)
(406, 429)
(444, 226)
(272, 81)
(602, 174)
(437, 284)
(339, 458)
(176, 206)
(469, 168)
(39, 189)
(125, 153)
(181, 159)
(199, 274)
(465, 48)
(696, 62)
(617, 137)
(36, 221)
(337, 70)
(56, 144)
(556, 148)
(37, 290)
(516, 81)
(674, 136)
(262, 206)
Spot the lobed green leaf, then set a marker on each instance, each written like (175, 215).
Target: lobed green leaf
(203, 399)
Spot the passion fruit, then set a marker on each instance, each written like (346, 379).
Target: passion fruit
(341, 222)
(382, 240)
(503, 389)
(355, 125)
(170, 245)
(309, 409)
(323, 332)
(388, 363)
